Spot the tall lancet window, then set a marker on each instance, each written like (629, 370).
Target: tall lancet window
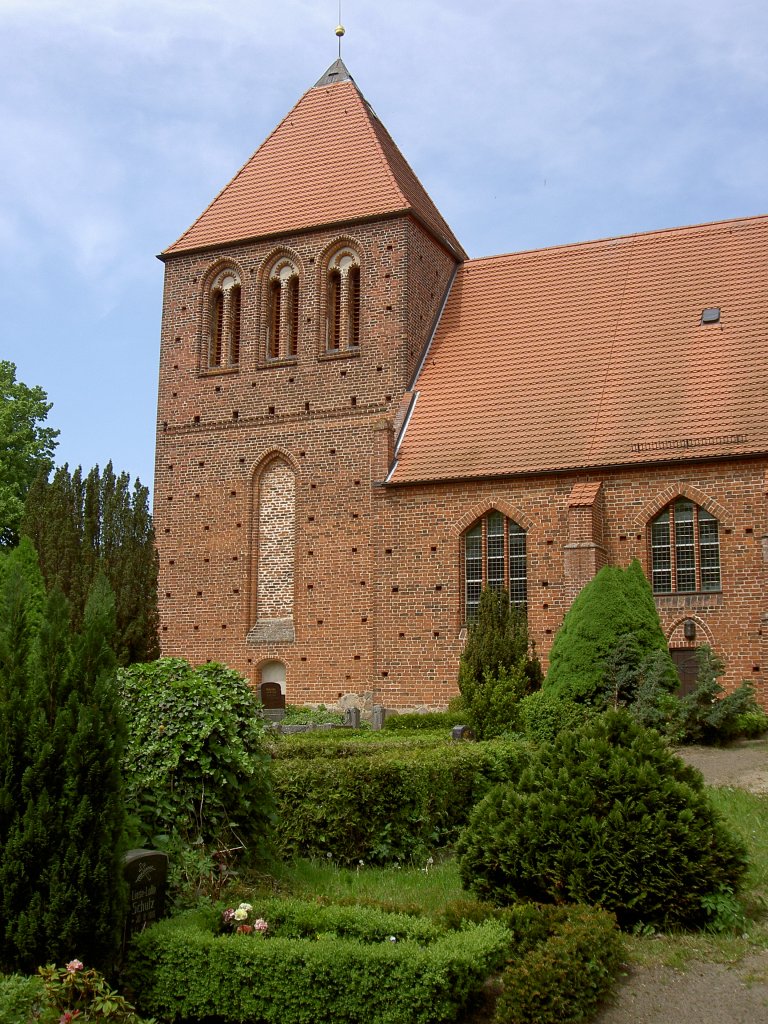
(224, 311)
(283, 311)
(343, 302)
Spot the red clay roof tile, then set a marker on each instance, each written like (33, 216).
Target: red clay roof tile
(594, 355)
(329, 161)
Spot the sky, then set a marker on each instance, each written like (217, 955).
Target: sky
(529, 123)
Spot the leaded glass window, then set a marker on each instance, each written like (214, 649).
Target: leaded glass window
(685, 550)
(494, 556)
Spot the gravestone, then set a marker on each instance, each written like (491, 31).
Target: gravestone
(352, 718)
(272, 700)
(145, 871)
(462, 732)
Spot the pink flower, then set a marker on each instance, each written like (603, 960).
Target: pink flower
(68, 1016)
(74, 965)
(260, 925)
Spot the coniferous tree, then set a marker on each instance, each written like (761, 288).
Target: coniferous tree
(610, 637)
(62, 817)
(498, 666)
(83, 526)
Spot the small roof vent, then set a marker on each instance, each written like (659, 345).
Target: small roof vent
(711, 315)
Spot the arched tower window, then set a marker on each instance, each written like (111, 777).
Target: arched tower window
(685, 549)
(494, 556)
(224, 314)
(343, 302)
(283, 311)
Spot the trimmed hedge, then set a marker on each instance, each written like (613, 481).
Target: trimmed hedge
(427, 720)
(181, 970)
(566, 977)
(385, 806)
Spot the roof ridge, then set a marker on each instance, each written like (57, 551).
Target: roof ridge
(754, 218)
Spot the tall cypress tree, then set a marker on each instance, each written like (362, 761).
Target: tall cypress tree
(100, 523)
(62, 818)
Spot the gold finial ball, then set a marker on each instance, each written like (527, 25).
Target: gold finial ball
(339, 31)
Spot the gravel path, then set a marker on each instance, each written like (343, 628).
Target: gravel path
(704, 993)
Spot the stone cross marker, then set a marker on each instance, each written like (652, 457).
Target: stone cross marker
(146, 872)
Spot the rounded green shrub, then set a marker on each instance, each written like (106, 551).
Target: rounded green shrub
(607, 816)
(543, 715)
(195, 765)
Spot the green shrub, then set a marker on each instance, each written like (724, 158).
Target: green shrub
(180, 970)
(196, 764)
(564, 978)
(751, 724)
(498, 665)
(606, 635)
(295, 715)
(387, 806)
(605, 815)
(21, 999)
(430, 720)
(543, 715)
(704, 715)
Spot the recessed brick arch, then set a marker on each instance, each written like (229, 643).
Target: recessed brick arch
(677, 625)
(204, 303)
(507, 508)
(272, 541)
(683, 490)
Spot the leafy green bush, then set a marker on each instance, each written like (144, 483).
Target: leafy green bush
(82, 994)
(564, 978)
(21, 998)
(196, 764)
(752, 724)
(180, 970)
(384, 806)
(606, 636)
(498, 665)
(295, 715)
(543, 715)
(605, 815)
(430, 720)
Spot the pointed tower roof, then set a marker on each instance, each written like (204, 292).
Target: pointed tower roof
(329, 161)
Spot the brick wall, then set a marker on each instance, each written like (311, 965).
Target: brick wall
(358, 586)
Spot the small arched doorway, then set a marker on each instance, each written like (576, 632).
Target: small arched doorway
(272, 688)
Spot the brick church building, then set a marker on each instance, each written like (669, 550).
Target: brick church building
(359, 427)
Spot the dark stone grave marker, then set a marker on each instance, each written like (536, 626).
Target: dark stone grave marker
(271, 696)
(146, 872)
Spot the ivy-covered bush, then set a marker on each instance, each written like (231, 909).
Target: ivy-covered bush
(181, 970)
(357, 802)
(605, 815)
(196, 765)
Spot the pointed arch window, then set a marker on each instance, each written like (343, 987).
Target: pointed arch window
(224, 315)
(283, 311)
(494, 556)
(685, 550)
(343, 302)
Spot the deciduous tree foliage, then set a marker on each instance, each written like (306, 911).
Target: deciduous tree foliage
(82, 526)
(609, 638)
(62, 817)
(26, 447)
